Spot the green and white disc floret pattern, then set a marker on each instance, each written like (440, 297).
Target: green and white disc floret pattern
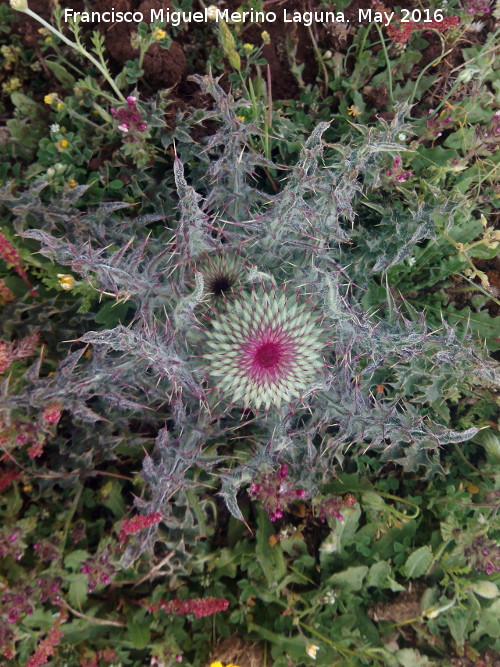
(265, 350)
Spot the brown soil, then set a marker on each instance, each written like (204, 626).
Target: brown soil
(292, 46)
(162, 68)
(404, 607)
(28, 27)
(236, 651)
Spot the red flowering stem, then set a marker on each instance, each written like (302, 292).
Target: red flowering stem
(46, 648)
(11, 256)
(198, 606)
(137, 523)
(401, 32)
(5, 293)
(7, 477)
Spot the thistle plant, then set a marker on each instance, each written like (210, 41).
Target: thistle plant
(246, 330)
(222, 274)
(265, 350)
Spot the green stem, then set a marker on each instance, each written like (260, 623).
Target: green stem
(79, 49)
(75, 114)
(438, 555)
(388, 62)
(431, 64)
(319, 58)
(401, 500)
(293, 569)
(71, 514)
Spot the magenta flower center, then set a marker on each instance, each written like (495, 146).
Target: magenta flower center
(268, 355)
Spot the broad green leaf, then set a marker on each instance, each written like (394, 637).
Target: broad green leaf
(418, 562)
(270, 558)
(485, 589)
(26, 106)
(61, 73)
(74, 559)
(112, 313)
(78, 590)
(380, 577)
(138, 629)
(410, 657)
(350, 579)
(461, 619)
(489, 622)
(111, 495)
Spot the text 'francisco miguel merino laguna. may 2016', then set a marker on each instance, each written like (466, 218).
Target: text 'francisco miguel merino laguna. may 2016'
(214, 14)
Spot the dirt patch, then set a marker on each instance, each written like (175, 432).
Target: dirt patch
(162, 68)
(405, 606)
(291, 53)
(236, 651)
(28, 28)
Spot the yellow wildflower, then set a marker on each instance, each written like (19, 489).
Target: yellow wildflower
(43, 31)
(72, 183)
(266, 37)
(248, 47)
(50, 98)
(216, 664)
(64, 143)
(471, 487)
(48, 40)
(354, 111)
(66, 281)
(159, 34)
(240, 118)
(27, 487)
(59, 106)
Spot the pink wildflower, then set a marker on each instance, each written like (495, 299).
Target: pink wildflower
(11, 543)
(484, 554)
(98, 569)
(275, 492)
(397, 173)
(36, 449)
(330, 508)
(52, 413)
(478, 7)
(129, 119)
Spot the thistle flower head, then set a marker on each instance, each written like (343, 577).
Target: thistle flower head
(221, 274)
(265, 350)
